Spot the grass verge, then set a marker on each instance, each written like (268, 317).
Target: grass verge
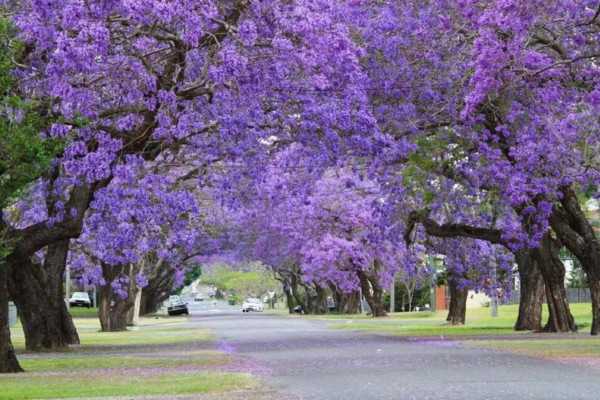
(479, 322)
(163, 357)
(565, 348)
(152, 331)
(103, 385)
(83, 312)
(76, 362)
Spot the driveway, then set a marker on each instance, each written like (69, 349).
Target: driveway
(304, 359)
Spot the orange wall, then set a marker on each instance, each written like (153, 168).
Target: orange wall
(441, 300)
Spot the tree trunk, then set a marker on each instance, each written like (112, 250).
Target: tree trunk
(346, 303)
(373, 293)
(310, 299)
(133, 316)
(289, 298)
(457, 311)
(531, 293)
(158, 290)
(576, 232)
(595, 293)
(321, 300)
(8, 359)
(114, 309)
(410, 293)
(38, 293)
(547, 257)
(300, 299)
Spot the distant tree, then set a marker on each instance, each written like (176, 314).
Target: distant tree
(192, 275)
(254, 281)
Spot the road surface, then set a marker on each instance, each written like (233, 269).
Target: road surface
(305, 359)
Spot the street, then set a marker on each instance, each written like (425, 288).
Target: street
(305, 359)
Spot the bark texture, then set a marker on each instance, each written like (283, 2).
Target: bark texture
(38, 293)
(577, 233)
(457, 310)
(373, 294)
(158, 290)
(114, 309)
(346, 303)
(8, 358)
(531, 293)
(552, 269)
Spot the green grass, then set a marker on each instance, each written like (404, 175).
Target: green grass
(145, 337)
(102, 385)
(479, 322)
(82, 312)
(588, 347)
(152, 331)
(139, 362)
(81, 363)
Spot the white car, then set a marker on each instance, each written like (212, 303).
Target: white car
(80, 299)
(177, 306)
(252, 305)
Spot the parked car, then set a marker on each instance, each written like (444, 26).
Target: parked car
(252, 304)
(198, 298)
(298, 309)
(80, 299)
(177, 306)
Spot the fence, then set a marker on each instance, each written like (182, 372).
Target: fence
(574, 295)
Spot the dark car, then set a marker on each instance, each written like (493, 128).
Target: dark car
(177, 306)
(298, 310)
(80, 299)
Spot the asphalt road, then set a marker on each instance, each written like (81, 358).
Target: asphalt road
(305, 359)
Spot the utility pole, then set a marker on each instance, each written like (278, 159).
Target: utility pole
(68, 286)
(432, 296)
(494, 305)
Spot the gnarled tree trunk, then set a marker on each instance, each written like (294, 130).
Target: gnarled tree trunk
(595, 293)
(299, 297)
(373, 294)
(8, 359)
(314, 299)
(346, 303)
(547, 257)
(113, 311)
(38, 293)
(158, 290)
(577, 233)
(457, 310)
(113, 308)
(531, 293)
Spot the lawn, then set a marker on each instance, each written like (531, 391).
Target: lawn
(151, 331)
(564, 348)
(163, 356)
(26, 386)
(485, 332)
(82, 312)
(479, 322)
(79, 362)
